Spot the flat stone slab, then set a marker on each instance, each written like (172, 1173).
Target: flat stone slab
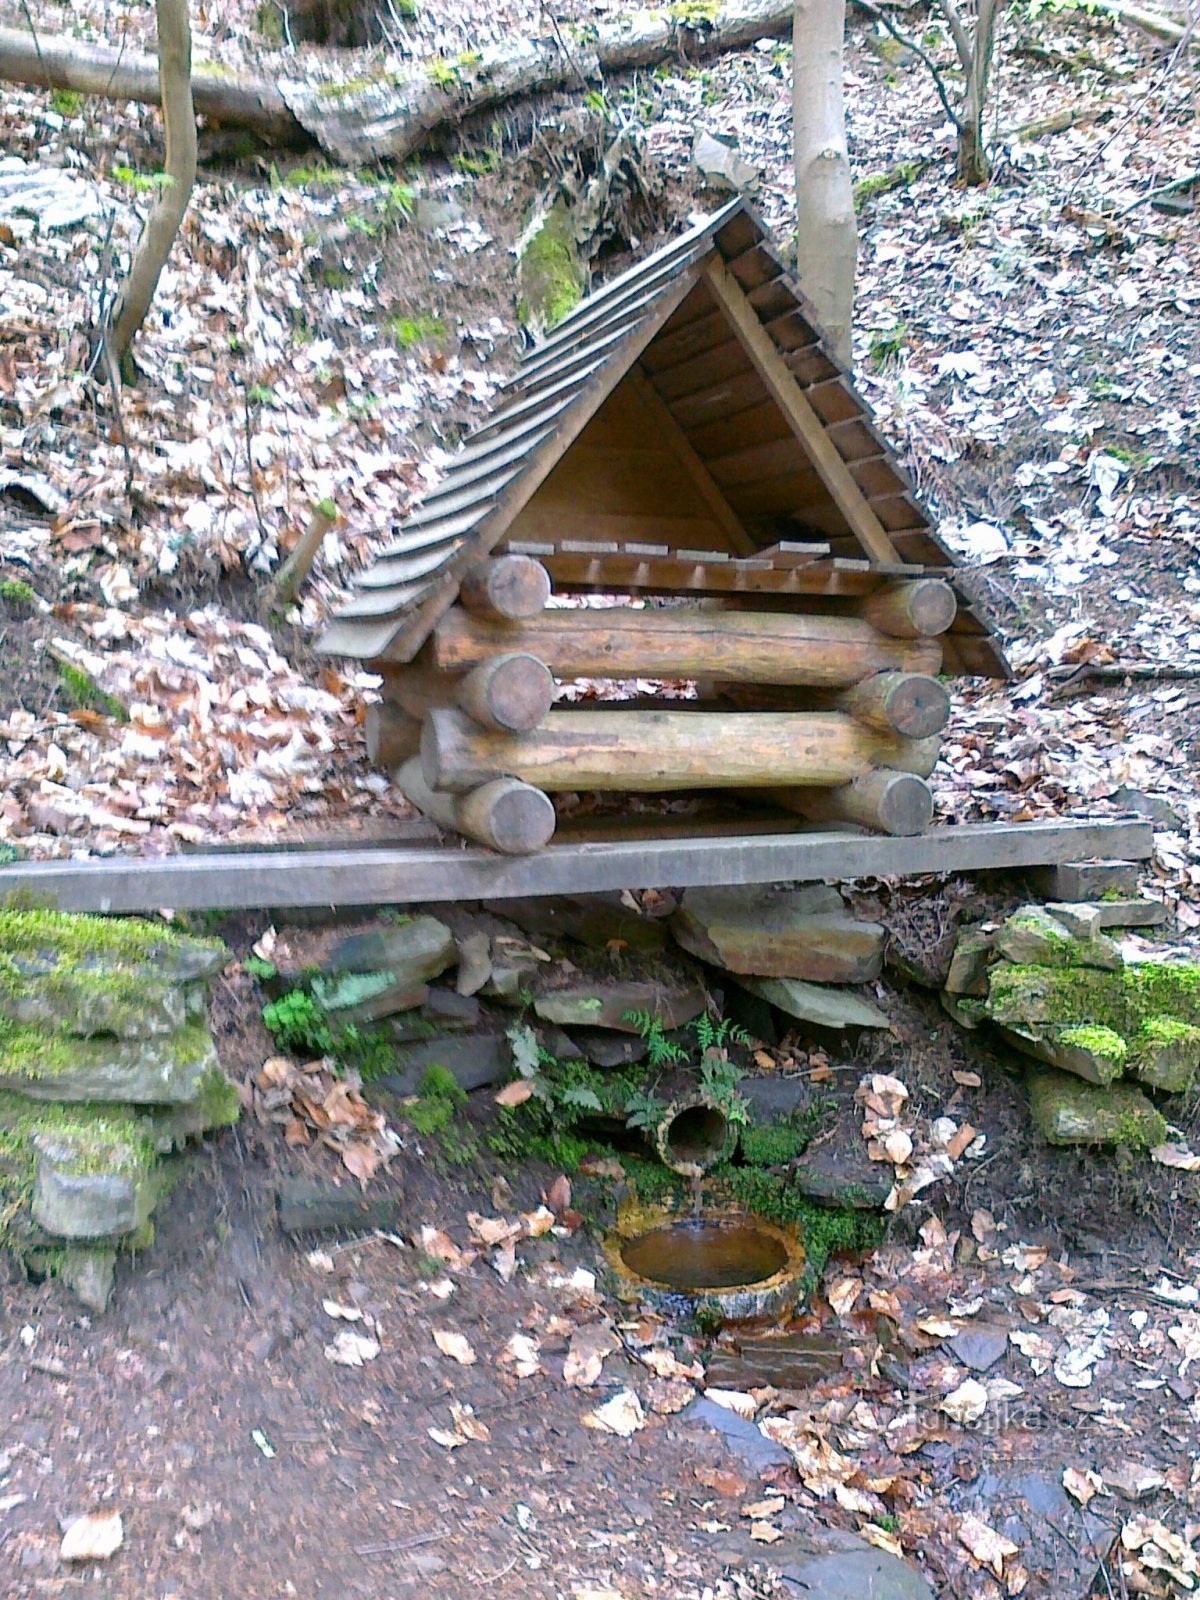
(796, 933)
(980, 1346)
(412, 951)
(474, 1061)
(1053, 1534)
(969, 963)
(830, 1564)
(352, 998)
(87, 996)
(1068, 1111)
(607, 1004)
(81, 1192)
(1103, 1065)
(826, 1008)
(741, 1437)
(157, 1071)
(1131, 913)
(1031, 937)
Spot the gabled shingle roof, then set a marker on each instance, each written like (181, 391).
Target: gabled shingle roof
(658, 309)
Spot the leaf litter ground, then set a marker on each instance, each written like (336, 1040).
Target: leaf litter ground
(1037, 363)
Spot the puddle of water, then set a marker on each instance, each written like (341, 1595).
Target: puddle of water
(705, 1254)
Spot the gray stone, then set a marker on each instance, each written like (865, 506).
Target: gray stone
(1068, 1111)
(606, 1003)
(597, 921)
(792, 1361)
(54, 198)
(969, 963)
(773, 1096)
(475, 1060)
(1032, 937)
(741, 1437)
(1132, 913)
(474, 963)
(605, 1049)
(159, 1071)
(802, 933)
(71, 1201)
(722, 166)
(447, 1010)
(308, 1205)
(1092, 1065)
(1085, 880)
(840, 1174)
(831, 1564)
(1080, 918)
(413, 952)
(429, 214)
(90, 1275)
(1053, 1534)
(353, 998)
(966, 1010)
(1166, 1055)
(826, 1008)
(1160, 811)
(47, 989)
(980, 1346)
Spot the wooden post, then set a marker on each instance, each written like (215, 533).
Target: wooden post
(911, 755)
(392, 735)
(649, 751)
(741, 646)
(508, 587)
(510, 693)
(916, 610)
(890, 802)
(504, 815)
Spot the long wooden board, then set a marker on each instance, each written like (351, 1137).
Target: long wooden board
(414, 874)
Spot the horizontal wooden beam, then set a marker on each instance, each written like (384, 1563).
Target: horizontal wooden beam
(435, 873)
(741, 646)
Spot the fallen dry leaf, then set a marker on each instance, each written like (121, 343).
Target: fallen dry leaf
(437, 1245)
(764, 1508)
(585, 1357)
(668, 1395)
(515, 1093)
(968, 1080)
(455, 1346)
(843, 1294)
(93, 1537)
(492, 1230)
(967, 1403)
(764, 1533)
(989, 1548)
(1176, 1155)
(665, 1364)
(742, 1405)
(334, 1308)
(1082, 1485)
(558, 1195)
(962, 1140)
(521, 1356)
(351, 1349)
(360, 1160)
(622, 1415)
(535, 1223)
(721, 1480)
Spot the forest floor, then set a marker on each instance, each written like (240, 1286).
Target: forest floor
(1033, 350)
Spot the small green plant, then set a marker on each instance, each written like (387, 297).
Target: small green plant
(262, 971)
(660, 1051)
(298, 1024)
(259, 394)
(719, 1080)
(442, 72)
(597, 100)
(409, 332)
(143, 182)
(720, 1035)
(478, 165)
(84, 695)
(887, 346)
(17, 594)
(644, 1110)
(67, 102)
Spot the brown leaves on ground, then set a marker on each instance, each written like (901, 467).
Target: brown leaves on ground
(93, 1537)
(311, 1104)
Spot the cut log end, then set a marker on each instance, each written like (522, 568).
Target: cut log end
(505, 814)
(511, 588)
(908, 703)
(898, 803)
(392, 735)
(918, 610)
(511, 693)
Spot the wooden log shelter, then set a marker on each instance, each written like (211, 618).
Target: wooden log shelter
(682, 496)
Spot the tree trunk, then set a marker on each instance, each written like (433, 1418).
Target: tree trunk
(826, 232)
(973, 165)
(179, 175)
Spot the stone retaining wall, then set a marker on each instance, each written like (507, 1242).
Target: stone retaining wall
(106, 1067)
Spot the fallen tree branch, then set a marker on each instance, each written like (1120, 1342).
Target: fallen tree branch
(52, 62)
(1118, 672)
(1186, 182)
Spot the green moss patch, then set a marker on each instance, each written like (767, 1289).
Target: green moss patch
(124, 941)
(1066, 1110)
(1099, 1041)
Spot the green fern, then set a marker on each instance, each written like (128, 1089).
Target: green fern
(643, 1111)
(660, 1051)
(581, 1097)
(718, 1035)
(719, 1079)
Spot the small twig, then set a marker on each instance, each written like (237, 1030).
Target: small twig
(1116, 672)
(919, 51)
(492, 1577)
(254, 495)
(402, 1544)
(33, 33)
(1165, 188)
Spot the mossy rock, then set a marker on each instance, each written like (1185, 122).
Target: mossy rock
(1037, 998)
(1095, 1054)
(1032, 937)
(86, 1189)
(58, 1066)
(1165, 1054)
(89, 995)
(1068, 1111)
(550, 276)
(121, 941)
